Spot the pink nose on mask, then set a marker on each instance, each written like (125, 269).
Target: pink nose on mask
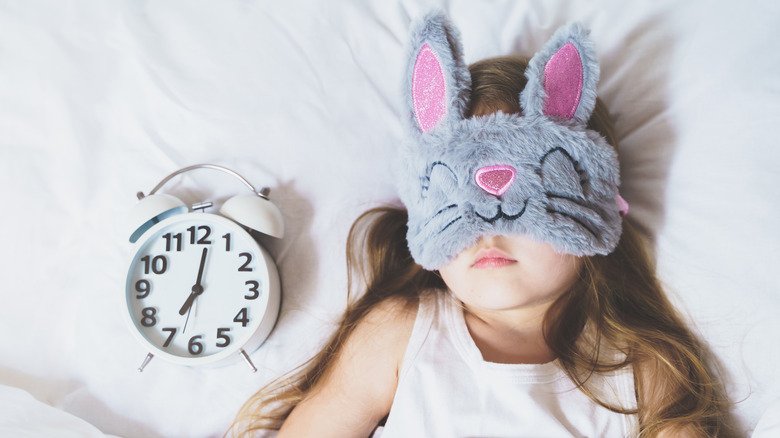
(495, 179)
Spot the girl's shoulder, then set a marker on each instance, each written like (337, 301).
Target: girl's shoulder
(391, 321)
(363, 377)
(405, 321)
(393, 312)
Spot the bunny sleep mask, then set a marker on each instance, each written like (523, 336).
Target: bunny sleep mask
(541, 173)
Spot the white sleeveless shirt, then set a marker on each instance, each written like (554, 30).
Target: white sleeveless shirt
(446, 389)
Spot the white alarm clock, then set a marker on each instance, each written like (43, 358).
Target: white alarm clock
(200, 289)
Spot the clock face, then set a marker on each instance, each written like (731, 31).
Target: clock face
(197, 287)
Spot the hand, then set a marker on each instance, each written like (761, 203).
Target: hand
(197, 288)
(184, 330)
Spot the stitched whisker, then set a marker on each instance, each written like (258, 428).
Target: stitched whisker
(438, 213)
(550, 210)
(579, 202)
(451, 222)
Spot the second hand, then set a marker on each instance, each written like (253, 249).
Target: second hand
(187, 320)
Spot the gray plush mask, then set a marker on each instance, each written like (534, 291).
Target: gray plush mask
(542, 173)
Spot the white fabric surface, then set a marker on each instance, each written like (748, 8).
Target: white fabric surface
(101, 99)
(25, 417)
(768, 425)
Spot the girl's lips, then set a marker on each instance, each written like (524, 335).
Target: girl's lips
(492, 257)
(492, 262)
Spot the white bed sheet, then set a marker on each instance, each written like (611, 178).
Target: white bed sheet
(99, 100)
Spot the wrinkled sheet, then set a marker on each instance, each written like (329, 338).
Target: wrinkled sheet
(99, 100)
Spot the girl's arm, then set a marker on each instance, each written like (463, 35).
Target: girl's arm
(357, 389)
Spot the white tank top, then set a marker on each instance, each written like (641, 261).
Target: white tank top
(446, 388)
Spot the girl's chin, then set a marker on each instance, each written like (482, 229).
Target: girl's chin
(498, 299)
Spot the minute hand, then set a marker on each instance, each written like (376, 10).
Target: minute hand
(197, 288)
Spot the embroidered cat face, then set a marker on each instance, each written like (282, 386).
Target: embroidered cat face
(541, 173)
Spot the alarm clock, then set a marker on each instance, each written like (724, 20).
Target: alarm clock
(200, 289)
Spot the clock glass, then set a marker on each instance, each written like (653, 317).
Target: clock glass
(196, 286)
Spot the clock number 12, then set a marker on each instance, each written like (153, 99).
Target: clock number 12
(203, 240)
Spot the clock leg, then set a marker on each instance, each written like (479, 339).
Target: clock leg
(248, 361)
(146, 362)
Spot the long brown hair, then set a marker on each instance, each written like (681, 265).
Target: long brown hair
(618, 295)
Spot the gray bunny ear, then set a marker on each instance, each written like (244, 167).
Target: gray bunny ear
(562, 77)
(437, 82)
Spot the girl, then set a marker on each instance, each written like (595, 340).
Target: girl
(510, 296)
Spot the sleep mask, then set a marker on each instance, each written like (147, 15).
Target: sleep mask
(542, 173)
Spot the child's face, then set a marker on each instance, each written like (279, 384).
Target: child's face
(538, 274)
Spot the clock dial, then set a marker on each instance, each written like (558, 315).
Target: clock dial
(197, 286)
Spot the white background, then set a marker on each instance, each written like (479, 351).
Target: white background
(101, 99)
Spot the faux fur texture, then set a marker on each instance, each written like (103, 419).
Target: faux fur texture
(567, 176)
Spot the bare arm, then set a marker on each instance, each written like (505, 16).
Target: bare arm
(356, 391)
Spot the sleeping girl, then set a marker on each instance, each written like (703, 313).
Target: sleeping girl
(509, 294)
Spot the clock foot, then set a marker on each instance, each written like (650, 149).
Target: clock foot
(248, 361)
(146, 362)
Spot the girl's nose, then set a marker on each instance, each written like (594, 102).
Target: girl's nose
(495, 179)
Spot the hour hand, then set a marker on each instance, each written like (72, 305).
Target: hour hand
(196, 290)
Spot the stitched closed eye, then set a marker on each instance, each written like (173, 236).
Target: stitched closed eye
(566, 187)
(439, 184)
(562, 175)
(438, 175)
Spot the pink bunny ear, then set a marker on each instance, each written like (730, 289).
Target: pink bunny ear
(437, 82)
(563, 82)
(428, 89)
(562, 77)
